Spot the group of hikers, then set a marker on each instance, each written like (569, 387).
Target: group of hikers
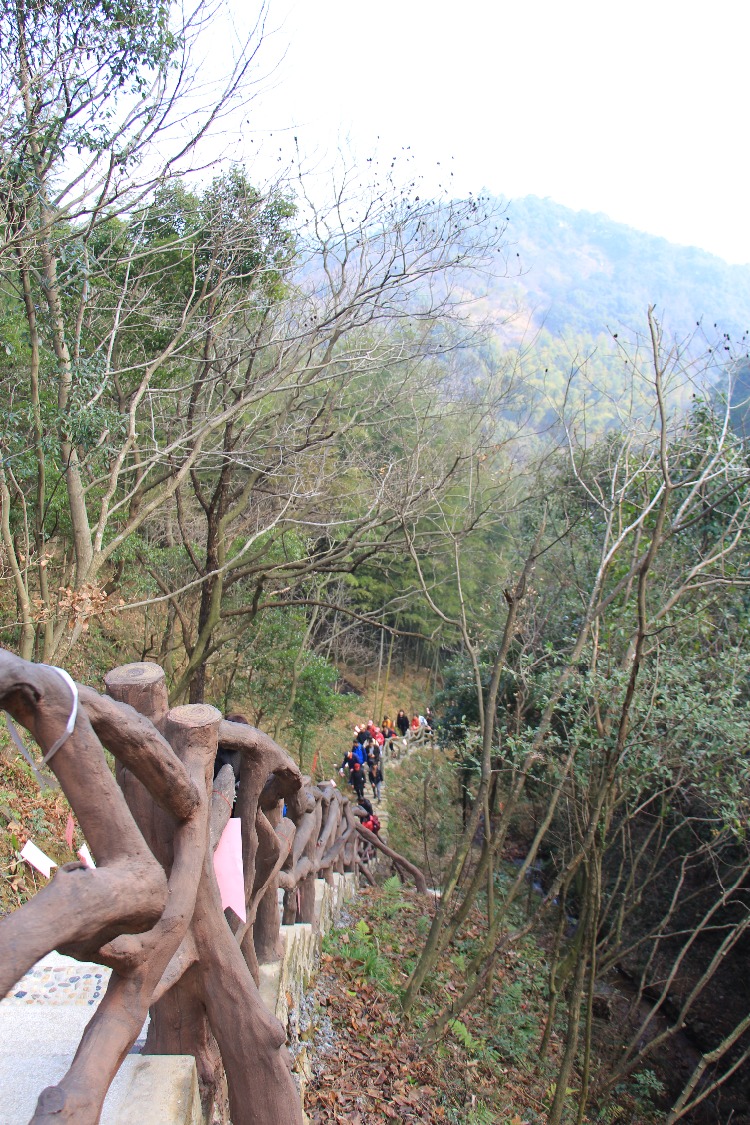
(368, 747)
(362, 762)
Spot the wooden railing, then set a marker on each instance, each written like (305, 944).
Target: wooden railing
(397, 747)
(151, 909)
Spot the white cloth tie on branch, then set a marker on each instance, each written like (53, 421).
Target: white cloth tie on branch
(69, 728)
(36, 857)
(71, 723)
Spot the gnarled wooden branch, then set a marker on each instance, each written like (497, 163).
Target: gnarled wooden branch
(82, 907)
(139, 747)
(419, 880)
(152, 910)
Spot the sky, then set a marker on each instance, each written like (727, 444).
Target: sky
(634, 109)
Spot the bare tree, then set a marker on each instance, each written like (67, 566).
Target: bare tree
(94, 118)
(643, 493)
(178, 370)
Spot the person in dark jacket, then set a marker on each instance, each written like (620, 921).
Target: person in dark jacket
(376, 779)
(402, 722)
(355, 764)
(231, 758)
(374, 766)
(355, 752)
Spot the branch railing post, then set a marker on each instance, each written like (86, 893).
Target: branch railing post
(151, 910)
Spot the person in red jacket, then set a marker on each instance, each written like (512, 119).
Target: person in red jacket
(372, 824)
(367, 817)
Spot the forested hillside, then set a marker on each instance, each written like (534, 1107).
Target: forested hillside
(580, 273)
(567, 315)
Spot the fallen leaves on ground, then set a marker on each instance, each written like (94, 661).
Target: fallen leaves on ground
(378, 1070)
(27, 813)
(377, 1073)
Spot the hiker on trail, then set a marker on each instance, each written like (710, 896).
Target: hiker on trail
(368, 817)
(374, 750)
(354, 760)
(389, 733)
(415, 723)
(357, 778)
(402, 722)
(375, 767)
(357, 751)
(372, 823)
(376, 779)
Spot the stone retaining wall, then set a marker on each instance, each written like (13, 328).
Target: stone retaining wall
(283, 984)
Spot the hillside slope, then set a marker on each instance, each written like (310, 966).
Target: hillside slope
(578, 272)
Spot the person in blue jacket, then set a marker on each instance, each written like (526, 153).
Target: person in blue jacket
(354, 760)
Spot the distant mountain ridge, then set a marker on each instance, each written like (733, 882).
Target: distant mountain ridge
(582, 273)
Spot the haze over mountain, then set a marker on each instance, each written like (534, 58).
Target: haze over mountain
(582, 273)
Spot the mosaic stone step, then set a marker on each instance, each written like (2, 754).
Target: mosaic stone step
(56, 979)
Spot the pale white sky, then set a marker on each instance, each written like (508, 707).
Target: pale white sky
(636, 109)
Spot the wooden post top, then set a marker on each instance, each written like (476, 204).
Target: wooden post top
(194, 715)
(143, 673)
(142, 686)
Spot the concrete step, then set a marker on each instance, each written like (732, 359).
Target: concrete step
(147, 1090)
(41, 1024)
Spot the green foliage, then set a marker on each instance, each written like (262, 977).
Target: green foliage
(272, 660)
(38, 821)
(392, 900)
(362, 948)
(476, 1114)
(552, 1090)
(423, 925)
(517, 1021)
(647, 1086)
(465, 1038)
(193, 238)
(611, 1113)
(84, 54)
